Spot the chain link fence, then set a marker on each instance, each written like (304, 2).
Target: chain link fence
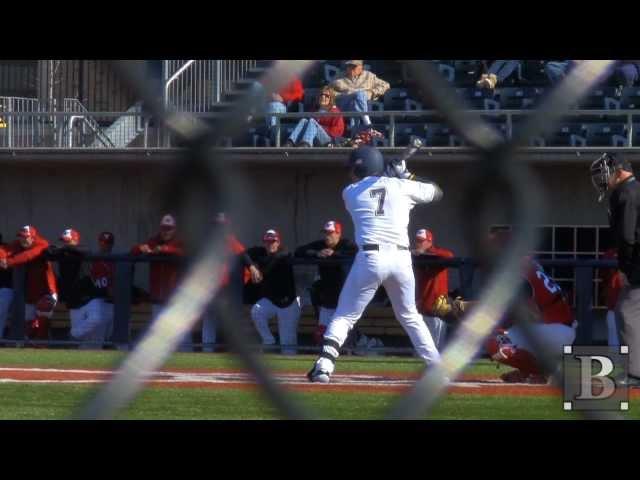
(202, 182)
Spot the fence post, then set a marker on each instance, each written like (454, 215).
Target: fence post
(17, 306)
(122, 304)
(466, 271)
(584, 294)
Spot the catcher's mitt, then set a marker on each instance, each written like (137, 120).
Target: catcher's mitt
(443, 307)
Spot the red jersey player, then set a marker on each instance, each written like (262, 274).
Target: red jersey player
(431, 282)
(41, 293)
(555, 327)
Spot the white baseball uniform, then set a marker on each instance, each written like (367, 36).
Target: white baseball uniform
(288, 318)
(379, 208)
(89, 325)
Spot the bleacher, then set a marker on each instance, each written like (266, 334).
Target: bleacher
(524, 91)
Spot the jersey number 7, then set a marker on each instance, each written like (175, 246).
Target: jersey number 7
(380, 193)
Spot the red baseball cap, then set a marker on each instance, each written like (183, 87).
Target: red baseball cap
(70, 235)
(424, 234)
(106, 237)
(271, 235)
(332, 226)
(27, 232)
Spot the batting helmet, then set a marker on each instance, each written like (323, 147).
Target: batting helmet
(366, 161)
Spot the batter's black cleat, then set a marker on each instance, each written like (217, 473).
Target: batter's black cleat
(315, 375)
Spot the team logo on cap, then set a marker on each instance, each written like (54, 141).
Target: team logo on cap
(424, 234)
(70, 235)
(333, 226)
(168, 221)
(27, 231)
(271, 235)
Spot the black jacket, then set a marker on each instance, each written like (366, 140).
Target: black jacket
(325, 292)
(76, 287)
(624, 218)
(278, 283)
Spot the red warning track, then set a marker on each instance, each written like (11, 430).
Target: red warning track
(229, 379)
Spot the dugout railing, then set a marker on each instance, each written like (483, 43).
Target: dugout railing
(124, 279)
(38, 127)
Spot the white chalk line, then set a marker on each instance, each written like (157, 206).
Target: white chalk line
(172, 377)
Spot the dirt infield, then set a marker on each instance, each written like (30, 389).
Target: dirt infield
(392, 382)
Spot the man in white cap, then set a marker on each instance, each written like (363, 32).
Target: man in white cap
(356, 88)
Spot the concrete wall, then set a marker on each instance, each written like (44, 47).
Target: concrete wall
(297, 200)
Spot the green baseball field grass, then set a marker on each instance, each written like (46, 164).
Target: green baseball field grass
(38, 384)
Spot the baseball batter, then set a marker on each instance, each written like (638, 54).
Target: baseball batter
(379, 206)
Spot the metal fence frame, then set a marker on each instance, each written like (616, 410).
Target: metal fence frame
(145, 120)
(465, 266)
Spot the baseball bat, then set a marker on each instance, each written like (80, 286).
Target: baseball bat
(411, 149)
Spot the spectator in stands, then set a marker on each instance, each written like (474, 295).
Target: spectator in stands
(626, 73)
(356, 88)
(326, 290)
(103, 275)
(498, 72)
(557, 70)
(41, 292)
(294, 92)
(322, 131)
(236, 251)
(163, 276)
(431, 282)
(78, 291)
(277, 293)
(6, 289)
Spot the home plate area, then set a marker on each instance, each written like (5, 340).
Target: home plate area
(294, 380)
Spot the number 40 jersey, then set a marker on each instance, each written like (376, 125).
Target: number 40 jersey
(380, 206)
(547, 295)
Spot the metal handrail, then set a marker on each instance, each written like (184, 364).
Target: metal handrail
(509, 116)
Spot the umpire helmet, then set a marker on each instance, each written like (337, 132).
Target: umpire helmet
(366, 161)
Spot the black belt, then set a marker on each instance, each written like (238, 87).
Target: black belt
(372, 246)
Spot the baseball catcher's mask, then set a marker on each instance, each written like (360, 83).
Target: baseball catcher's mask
(603, 169)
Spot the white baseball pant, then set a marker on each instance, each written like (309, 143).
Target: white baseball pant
(612, 329)
(437, 328)
(6, 296)
(186, 343)
(393, 269)
(89, 325)
(555, 335)
(325, 315)
(288, 319)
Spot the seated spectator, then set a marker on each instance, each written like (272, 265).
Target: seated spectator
(626, 73)
(163, 276)
(277, 293)
(6, 289)
(322, 131)
(326, 290)
(356, 88)
(557, 70)
(432, 281)
(294, 92)
(498, 72)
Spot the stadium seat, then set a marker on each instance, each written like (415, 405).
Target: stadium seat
(518, 98)
(478, 99)
(404, 132)
(437, 135)
(331, 72)
(630, 99)
(567, 135)
(596, 98)
(605, 134)
(395, 98)
(467, 72)
(447, 71)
